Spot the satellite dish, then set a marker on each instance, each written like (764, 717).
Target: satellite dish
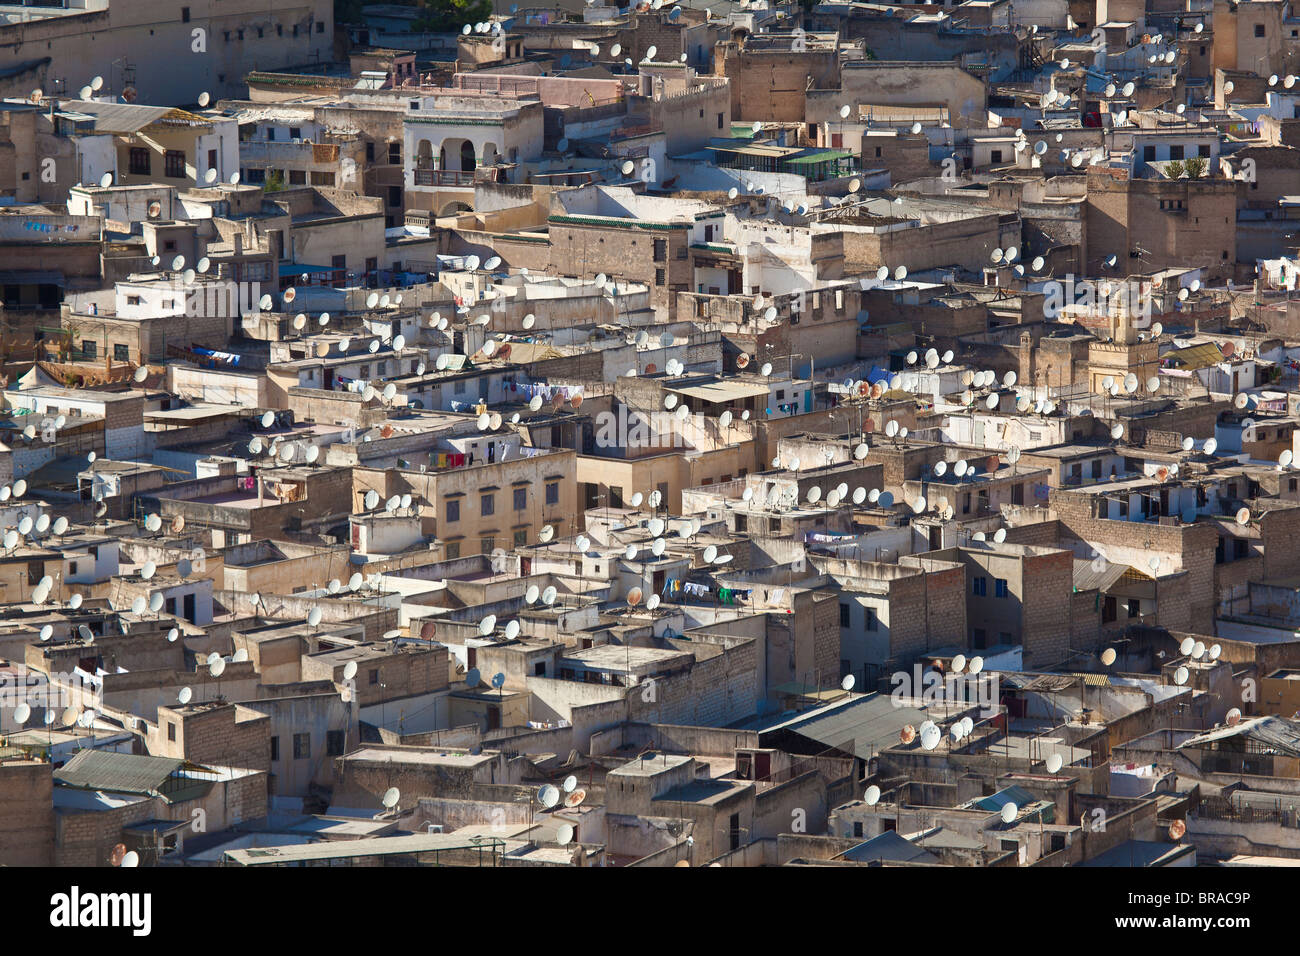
(391, 796)
(548, 796)
(1211, 446)
(1009, 812)
(1243, 517)
(1181, 675)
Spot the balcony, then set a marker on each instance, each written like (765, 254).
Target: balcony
(443, 177)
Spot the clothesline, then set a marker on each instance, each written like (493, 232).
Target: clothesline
(727, 596)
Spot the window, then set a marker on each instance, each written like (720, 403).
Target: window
(1000, 587)
(1259, 29)
(301, 746)
(979, 586)
(661, 250)
(185, 14)
(139, 161)
(521, 539)
(373, 676)
(394, 154)
(487, 505)
(844, 615)
(334, 743)
(394, 195)
(174, 164)
(719, 121)
(552, 492)
(1148, 154)
(660, 277)
(295, 132)
(996, 156)
(1176, 152)
(453, 549)
(297, 177)
(89, 349)
(453, 511)
(873, 621)
(121, 353)
(487, 543)
(275, 749)
(521, 499)
(171, 731)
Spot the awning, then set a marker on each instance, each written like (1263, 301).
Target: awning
(828, 156)
(296, 269)
(720, 392)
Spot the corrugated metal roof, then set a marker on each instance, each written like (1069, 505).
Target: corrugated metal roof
(1086, 577)
(128, 117)
(717, 392)
(867, 725)
(1275, 733)
(1012, 794)
(119, 772)
(821, 156)
(1194, 357)
(888, 846)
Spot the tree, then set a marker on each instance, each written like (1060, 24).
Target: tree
(1196, 166)
(1174, 169)
(435, 16)
(274, 181)
(448, 16)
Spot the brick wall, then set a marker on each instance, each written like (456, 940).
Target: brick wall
(26, 813)
(1048, 581)
(228, 736)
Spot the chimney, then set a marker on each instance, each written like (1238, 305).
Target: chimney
(239, 244)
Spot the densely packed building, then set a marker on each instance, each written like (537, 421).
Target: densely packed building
(851, 434)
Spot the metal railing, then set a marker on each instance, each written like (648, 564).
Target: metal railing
(443, 177)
